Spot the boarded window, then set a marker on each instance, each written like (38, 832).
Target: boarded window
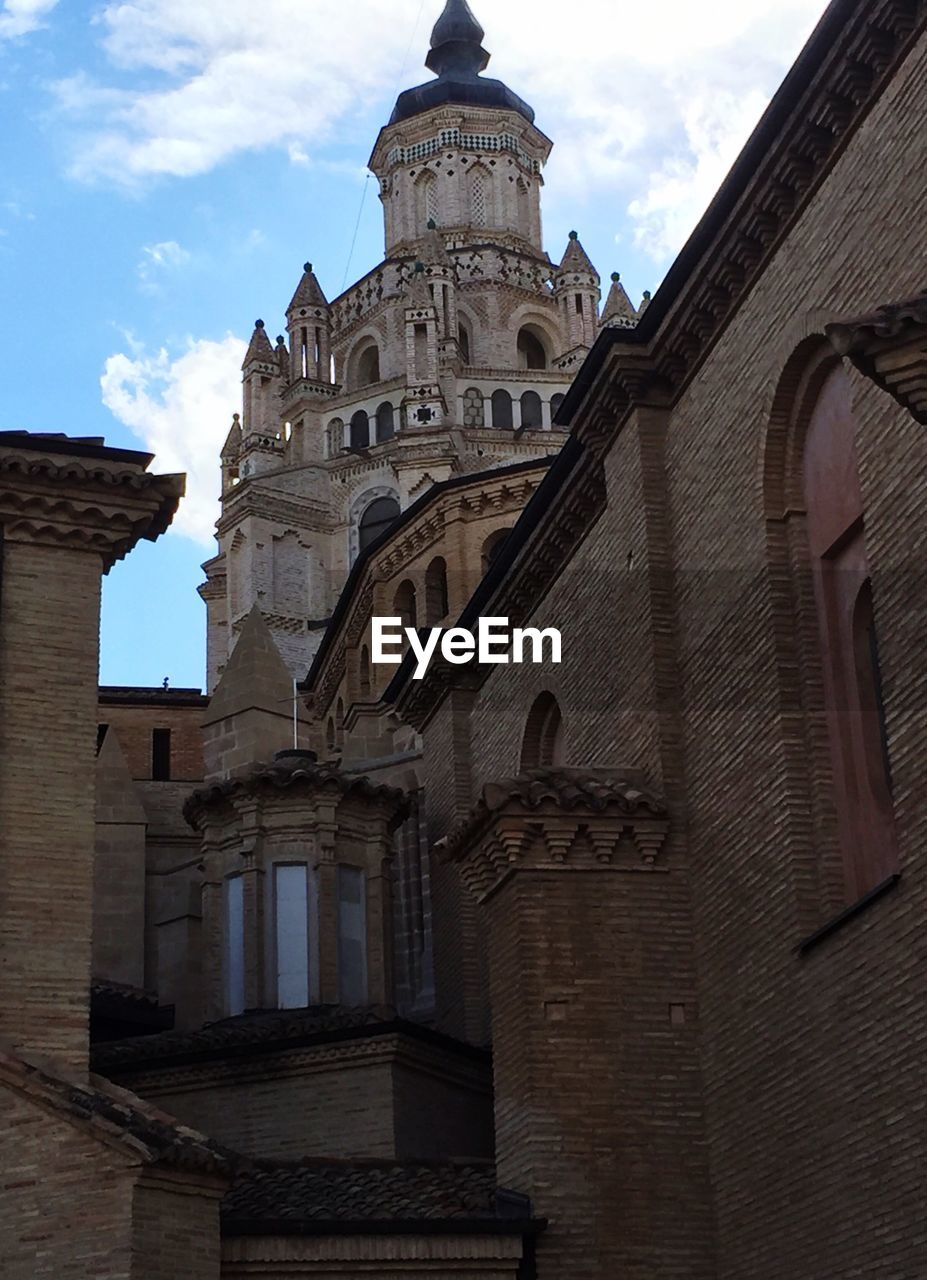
(235, 945)
(291, 901)
(352, 936)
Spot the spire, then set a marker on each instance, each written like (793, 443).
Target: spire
(308, 292)
(457, 43)
(231, 450)
(457, 57)
(576, 258)
(259, 348)
(619, 311)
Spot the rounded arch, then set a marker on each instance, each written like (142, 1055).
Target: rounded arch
(532, 347)
(375, 519)
(360, 430)
(334, 437)
(542, 742)
(492, 546)
(502, 416)
(532, 414)
(330, 734)
(786, 422)
(437, 604)
(386, 422)
(405, 604)
(363, 362)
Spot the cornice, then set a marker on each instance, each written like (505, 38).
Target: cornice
(47, 501)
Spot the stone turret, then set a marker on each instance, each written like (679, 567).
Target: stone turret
(263, 386)
(576, 288)
(308, 322)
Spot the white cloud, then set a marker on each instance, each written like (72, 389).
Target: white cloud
(20, 17)
(647, 103)
(158, 259)
(681, 189)
(180, 406)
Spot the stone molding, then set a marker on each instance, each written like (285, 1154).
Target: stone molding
(889, 346)
(557, 820)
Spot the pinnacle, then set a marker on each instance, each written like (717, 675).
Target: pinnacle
(259, 347)
(618, 311)
(308, 292)
(576, 258)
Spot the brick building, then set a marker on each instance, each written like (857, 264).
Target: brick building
(605, 968)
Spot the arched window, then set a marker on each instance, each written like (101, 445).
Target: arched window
(532, 348)
(376, 519)
(367, 365)
(330, 734)
(531, 417)
(849, 648)
(492, 546)
(555, 403)
(437, 605)
(386, 422)
(364, 672)
(463, 338)
(360, 430)
(404, 604)
(502, 411)
(542, 745)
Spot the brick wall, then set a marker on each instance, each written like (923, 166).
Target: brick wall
(175, 1229)
(49, 627)
(135, 725)
(810, 1064)
(65, 1201)
(383, 1100)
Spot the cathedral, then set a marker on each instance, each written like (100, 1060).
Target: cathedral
(605, 968)
(449, 358)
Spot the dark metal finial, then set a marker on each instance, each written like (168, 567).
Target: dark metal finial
(457, 42)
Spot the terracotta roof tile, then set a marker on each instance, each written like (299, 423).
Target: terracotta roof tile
(319, 1192)
(273, 1029)
(595, 790)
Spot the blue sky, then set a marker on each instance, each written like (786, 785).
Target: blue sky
(167, 167)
